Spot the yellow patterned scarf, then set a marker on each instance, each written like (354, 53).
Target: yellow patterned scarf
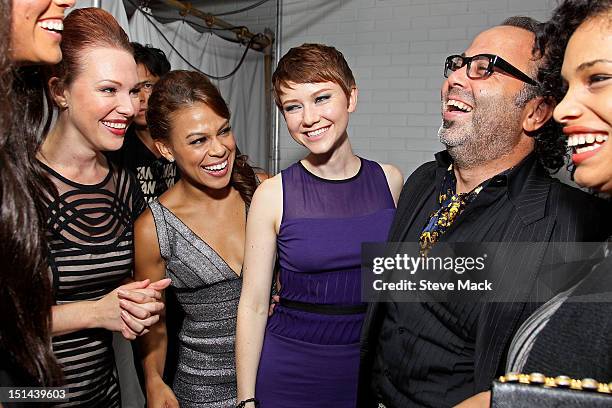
(451, 205)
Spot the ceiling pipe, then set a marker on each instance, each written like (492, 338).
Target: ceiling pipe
(276, 135)
(243, 34)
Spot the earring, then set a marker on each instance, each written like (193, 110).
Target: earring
(171, 160)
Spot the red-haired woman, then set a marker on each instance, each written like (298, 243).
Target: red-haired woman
(316, 213)
(89, 230)
(194, 233)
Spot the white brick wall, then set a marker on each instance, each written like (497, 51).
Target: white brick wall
(396, 49)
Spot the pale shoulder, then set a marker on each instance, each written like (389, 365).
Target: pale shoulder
(267, 203)
(271, 188)
(395, 179)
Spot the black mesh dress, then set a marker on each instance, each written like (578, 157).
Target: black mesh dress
(90, 233)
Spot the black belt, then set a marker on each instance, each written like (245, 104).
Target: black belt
(324, 309)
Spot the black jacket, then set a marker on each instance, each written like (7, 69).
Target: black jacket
(544, 210)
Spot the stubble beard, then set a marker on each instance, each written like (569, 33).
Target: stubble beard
(492, 132)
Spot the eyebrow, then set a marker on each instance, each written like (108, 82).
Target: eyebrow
(289, 101)
(110, 80)
(225, 125)
(321, 90)
(589, 64)
(312, 94)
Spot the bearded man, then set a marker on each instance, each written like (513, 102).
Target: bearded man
(491, 184)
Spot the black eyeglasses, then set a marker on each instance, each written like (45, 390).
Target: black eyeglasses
(482, 66)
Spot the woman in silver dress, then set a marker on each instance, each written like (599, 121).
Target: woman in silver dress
(194, 234)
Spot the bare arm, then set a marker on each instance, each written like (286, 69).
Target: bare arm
(71, 317)
(260, 251)
(153, 345)
(129, 309)
(395, 180)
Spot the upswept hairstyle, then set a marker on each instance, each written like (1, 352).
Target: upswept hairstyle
(550, 144)
(25, 288)
(182, 89)
(153, 58)
(85, 29)
(311, 63)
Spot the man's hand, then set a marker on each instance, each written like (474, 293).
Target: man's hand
(275, 300)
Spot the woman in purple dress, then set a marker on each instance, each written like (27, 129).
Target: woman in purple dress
(315, 215)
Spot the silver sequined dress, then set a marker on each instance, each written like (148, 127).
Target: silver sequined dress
(208, 291)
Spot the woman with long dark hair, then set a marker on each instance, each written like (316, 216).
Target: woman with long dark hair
(195, 234)
(30, 34)
(90, 216)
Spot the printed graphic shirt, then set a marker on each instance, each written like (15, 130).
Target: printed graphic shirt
(154, 175)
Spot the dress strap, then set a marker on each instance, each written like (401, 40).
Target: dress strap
(161, 226)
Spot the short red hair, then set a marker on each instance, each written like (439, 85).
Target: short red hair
(311, 63)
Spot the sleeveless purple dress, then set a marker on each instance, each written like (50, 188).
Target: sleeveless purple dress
(308, 359)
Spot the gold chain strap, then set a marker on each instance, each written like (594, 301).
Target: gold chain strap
(562, 381)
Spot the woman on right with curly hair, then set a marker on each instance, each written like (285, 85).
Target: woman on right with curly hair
(572, 334)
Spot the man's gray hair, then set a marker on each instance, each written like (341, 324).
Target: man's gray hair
(532, 25)
(524, 22)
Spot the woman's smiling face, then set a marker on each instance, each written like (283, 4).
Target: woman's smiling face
(586, 110)
(36, 30)
(317, 114)
(203, 145)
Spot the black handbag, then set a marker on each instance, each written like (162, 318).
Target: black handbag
(536, 390)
